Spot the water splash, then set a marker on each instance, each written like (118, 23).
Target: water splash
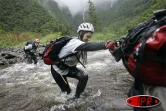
(60, 107)
(97, 94)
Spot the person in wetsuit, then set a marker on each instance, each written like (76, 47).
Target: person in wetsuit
(80, 46)
(30, 49)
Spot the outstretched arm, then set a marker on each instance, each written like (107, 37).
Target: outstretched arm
(91, 46)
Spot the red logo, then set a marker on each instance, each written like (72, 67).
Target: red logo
(143, 101)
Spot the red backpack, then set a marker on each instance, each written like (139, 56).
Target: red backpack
(52, 50)
(143, 51)
(50, 54)
(152, 67)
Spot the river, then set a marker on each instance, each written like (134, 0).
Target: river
(26, 87)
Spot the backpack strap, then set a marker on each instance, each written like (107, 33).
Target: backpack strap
(74, 54)
(79, 61)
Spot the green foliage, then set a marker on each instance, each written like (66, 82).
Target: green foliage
(23, 20)
(47, 38)
(20, 39)
(26, 15)
(77, 20)
(93, 16)
(62, 16)
(101, 37)
(68, 19)
(17, 39)
(128, 13)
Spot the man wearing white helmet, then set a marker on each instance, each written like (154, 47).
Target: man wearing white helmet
(77, 45)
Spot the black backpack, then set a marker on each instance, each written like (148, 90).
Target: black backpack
(29, 42)
(33, 45)
(50, 54)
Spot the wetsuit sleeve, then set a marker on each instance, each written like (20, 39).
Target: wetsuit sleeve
(91, 46)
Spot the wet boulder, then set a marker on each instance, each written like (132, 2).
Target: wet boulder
(15, 54)
(3, 61)
(8, 55)
(9, 58)
(11, 55)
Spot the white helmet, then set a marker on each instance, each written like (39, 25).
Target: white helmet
(85, 27)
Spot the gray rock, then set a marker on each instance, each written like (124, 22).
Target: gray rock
(15, 55)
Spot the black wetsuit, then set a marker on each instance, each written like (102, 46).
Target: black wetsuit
(75, 72)
(31, 52)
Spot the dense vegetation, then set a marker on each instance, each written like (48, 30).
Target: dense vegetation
(93, 16)
(62, 15)
(26, 15)
(128, 13)
(22, 20)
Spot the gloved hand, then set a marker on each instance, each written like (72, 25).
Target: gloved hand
(114, 49)
(111, 45)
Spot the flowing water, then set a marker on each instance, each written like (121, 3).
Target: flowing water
(26, 87)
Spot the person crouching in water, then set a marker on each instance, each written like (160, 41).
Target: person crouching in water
(77, 45)
(30, 50)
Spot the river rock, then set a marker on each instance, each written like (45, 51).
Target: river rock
(15, 55)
